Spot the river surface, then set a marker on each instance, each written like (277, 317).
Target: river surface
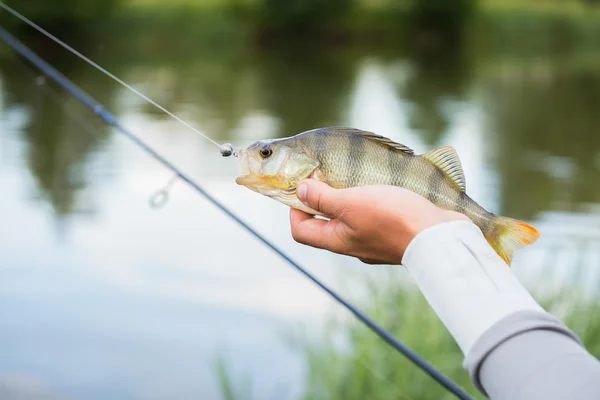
(103, 297)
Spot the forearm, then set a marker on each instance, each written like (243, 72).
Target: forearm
(512, 346)
(532, 355)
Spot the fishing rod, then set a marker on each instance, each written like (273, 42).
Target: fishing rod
(226, 150)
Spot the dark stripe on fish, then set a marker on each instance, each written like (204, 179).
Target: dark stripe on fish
(356, 156)
(410, 163)
(393, 166)
(320, 149)
(434, 185)
(320, 144)
(462, 203)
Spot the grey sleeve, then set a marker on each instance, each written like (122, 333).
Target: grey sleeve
(532, 355)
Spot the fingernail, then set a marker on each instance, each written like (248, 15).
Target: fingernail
(301, 193)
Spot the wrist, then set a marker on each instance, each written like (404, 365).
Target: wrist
(466, 283)
(423, 224)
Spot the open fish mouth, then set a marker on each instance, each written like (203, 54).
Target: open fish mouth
(243, 162)
(258, 185)
(249, 168)
(250, 181)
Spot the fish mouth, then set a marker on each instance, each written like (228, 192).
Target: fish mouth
(252, 178)
(258, 185)
(243, 162)
(250, 181)
(249, 169)
(246, 175)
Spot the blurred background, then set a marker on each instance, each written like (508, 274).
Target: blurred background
(102, 296)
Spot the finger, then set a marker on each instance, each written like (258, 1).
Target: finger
(320, 197)
(314, 232)
(371, 261)
(306, 229)
(297, 216)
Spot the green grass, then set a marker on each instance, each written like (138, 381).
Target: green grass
(230, 388)
(362, 366)
(367, 367)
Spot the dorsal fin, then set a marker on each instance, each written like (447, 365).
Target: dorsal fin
(372, 136)
(446, 159)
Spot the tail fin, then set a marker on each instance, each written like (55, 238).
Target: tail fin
(510, 235)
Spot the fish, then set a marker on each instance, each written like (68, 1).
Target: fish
(346, 157)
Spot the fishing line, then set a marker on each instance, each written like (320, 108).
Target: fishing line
(226, 152)
(53, 94)
(107, 117)
(161, 197)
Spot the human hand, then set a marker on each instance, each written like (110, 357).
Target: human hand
(372, 223)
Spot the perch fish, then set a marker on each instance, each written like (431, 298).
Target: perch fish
(347, 157)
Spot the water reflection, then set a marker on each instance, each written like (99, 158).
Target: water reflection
(440, 76)
(59, 141)
(154, 294)
(542, 115)
(306, 87)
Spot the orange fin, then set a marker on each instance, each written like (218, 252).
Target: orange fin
(511, 235)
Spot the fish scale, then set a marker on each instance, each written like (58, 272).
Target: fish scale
(348, 157)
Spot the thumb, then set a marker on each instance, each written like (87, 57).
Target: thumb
(320, 197)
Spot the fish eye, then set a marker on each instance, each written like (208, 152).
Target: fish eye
(266, 151)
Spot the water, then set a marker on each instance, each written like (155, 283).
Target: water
(104, 297)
